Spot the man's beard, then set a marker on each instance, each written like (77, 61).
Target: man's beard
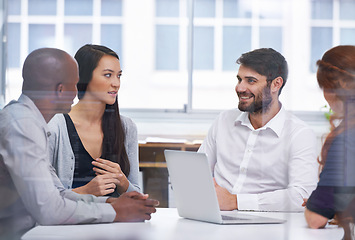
(260, 104)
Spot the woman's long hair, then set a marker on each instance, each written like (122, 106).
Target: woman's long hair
(113, 145)
(336, 73)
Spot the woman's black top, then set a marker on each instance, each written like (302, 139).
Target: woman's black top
(336, 186)
(83, 172)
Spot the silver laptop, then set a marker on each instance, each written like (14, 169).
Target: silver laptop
(194, 192)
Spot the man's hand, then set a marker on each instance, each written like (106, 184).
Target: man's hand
(133, 207)
(226, 200)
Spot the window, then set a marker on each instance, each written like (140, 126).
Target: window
(40, 35)
(14, 34)
(333, 23)
(2, 53)
(78, 7)
(42, 7)
(167, 47)
(64, 24)
(179, 55)
(223, 30)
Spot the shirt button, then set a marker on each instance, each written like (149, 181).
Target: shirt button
(48, 134)
(243, 169)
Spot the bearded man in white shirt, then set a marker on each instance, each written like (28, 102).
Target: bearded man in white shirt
(262, 157)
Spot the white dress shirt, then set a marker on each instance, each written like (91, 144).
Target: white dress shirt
(269, 169)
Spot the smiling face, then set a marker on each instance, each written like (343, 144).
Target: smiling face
(105, 81)
(253, 91)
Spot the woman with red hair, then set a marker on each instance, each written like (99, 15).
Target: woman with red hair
(335, 190)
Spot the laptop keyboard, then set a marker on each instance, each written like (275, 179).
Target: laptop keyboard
(225, 217)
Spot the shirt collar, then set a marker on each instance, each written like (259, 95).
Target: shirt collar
(276, 124)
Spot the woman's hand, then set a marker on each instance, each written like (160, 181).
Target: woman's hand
(315, 220)
(103, 167)
(99, 186)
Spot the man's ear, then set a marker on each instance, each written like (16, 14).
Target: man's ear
(276, 84)
(59, 89)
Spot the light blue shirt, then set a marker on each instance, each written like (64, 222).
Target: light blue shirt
(30, 191)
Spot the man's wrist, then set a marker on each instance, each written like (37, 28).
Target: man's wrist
(110, 199)
(236, 201)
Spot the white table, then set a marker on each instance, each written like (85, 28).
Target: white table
(167, 225)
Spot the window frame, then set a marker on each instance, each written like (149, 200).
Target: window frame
(3, 51)
(187, 111)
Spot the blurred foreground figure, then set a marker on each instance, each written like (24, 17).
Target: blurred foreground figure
(30, 191)
(336, 187)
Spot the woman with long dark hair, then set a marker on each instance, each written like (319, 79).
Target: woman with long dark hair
(335, 190)
(94, 149)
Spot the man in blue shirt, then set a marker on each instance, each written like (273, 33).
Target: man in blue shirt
(30, 191)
